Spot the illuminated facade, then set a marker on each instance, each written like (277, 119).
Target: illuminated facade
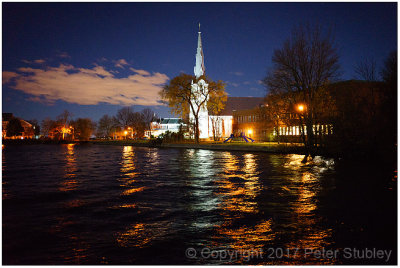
(163, 125)
(256, 124)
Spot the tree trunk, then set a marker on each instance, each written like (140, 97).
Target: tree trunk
(196, 130)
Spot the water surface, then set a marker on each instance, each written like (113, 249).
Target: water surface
(93, 204)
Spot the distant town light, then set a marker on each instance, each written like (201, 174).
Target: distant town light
(250, 131)
(126, 132)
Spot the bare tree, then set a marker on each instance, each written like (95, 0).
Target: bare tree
(124, 116)
(148, 116)
(307, 62)
(64, 118)
(366, 70)
(46, 126)
(389, 70)
(137, 123)
(106, 126)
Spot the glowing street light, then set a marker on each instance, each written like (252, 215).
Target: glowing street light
(300, 108)
(250, 132)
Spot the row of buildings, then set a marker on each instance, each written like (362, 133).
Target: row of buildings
(242, 115)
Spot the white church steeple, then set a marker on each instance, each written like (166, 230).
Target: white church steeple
(199, 94)
(199, 69)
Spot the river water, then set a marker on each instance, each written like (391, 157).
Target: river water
(93, 204)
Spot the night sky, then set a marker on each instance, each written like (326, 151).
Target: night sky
(94, 58)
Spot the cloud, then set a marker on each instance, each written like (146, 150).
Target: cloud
(236, 73)
(86, 86)
(141, 72)
(63, 55)
(120, 63)
(246, 83)
(38, 61)
(8, 76)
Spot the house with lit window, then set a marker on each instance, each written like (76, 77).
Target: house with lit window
(27, 128)
(163, 125)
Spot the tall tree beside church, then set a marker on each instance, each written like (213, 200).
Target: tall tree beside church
(180, 97)
(305, 64)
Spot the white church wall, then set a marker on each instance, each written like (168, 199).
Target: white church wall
(223, 125)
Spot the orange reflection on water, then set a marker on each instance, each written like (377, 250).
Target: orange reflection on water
(141, 234)
(127, 163)
(5, 192)
(239, 186)
(245, 237)
(79, 250)
(306, 182)
(137, 236)
(133, 190)
(128, 169)
(70, 170)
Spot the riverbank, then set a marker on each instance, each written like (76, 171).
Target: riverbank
(270, 147)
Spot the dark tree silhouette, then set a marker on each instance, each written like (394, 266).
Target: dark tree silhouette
(124, 116)
(366, 70)
(148, 116)
(14, 127)
(106, 126)
(307, 62)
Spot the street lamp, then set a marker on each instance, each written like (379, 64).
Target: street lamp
(125, 132)
(300, 108)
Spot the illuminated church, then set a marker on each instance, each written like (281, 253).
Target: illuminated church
(208, 124)
(234, 118)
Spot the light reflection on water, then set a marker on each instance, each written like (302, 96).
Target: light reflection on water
(70, 183)
(129, 172)
(126, 205)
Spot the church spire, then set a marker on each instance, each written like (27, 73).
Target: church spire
(199, 69)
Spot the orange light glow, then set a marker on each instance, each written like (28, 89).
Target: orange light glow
(126, 132)
(300, 107)
(250, 131)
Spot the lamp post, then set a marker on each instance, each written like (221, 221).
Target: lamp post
(300, 108)
(125, 132)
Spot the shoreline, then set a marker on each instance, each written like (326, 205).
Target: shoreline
(255, 147)
(265, 147)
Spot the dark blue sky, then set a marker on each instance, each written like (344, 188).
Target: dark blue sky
(98, 44)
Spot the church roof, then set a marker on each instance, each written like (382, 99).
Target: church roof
(241, 103)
